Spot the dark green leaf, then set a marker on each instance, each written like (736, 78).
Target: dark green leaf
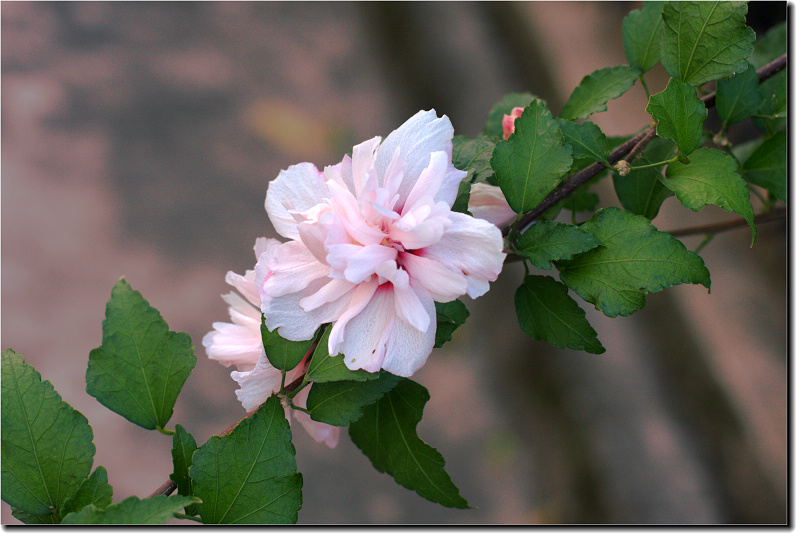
(705, 41)
(545, 311)
(635, 259)
(27, 518)
(183, 447)
(641, 35)
(585, 139)
(680, 115)
(641, 191)
(738, 97)
(326, 368)
(141, 366)
(532, 161)
(461, 204)
(387, 434)
(773, 91)
(766, 167)
(769, 46)
(710, 179)
(47, 448)
(94, 490)
(494, 125)
(473, 155)
(249, 476)
(544, 242)
(132, 511)
(342, 402)
(282, 353)
(449, 316)
(596, 89)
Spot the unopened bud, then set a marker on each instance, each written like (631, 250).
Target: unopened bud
(508, 121)
(623, 167)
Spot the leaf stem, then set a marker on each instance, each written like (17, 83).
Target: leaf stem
(167, 432)
(655, 164)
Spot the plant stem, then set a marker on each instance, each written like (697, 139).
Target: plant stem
(716, 227)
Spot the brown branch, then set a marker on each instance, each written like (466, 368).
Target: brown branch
(779, 213)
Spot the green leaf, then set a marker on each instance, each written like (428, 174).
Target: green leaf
(494, 124)
(738, 97)
(769, 46)
(544, 242)
(47, 448)
(641, 35)
(284, 355)
(766, 167)
(183, 447)
(449, 316)
(473, 156)
(680, 115)
(249, 476)
(641, 191)
(132, 511)
(546, 312)
(94, 490)
(773, 91)
(461, 203)
(141, 366)
(705, 41)
(596, 89)
(585, 139)
(387, 435)
(710, 179)
(341, 403)
(326, 368)
(635, 259)
(532, 161)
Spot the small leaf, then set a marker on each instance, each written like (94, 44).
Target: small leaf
(596, 89)
(141, 366)
(449, 316)
(494, 124)
(473, 156)
(544, 242)
(766, 167)
(705, 41)
(769, 46)
(249, 476)
(183, 447)
(47, 448)
(738, 97)
(283, 354)
(545, 311)
(342, 402)
(585, 139)
(680, 115)
(132, 511)
(387, 435)
(326, 368)
(532, 161)
(461, 204)
(641, 191)
(641, 35)
(635, 259)
(710, 179)
(94, 490)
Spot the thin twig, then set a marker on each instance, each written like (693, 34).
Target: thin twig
(779, 213)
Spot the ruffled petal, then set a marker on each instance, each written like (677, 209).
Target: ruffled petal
(290, 269)
(298, 188)
(358, 299)
(442, 283)
(488, 202)
(256, 385)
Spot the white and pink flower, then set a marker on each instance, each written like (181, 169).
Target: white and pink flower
(372, 244)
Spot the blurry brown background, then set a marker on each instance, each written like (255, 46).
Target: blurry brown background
(138, 140)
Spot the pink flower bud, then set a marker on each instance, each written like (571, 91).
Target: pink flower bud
(508, 121)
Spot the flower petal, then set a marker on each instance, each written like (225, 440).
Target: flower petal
(299, 187)
(442, 283)
(487, 202)
(357, 301)
(288, 270)
(258, 384)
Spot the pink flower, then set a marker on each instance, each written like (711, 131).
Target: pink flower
(488, 203)
(508, 121)
(373, 243)
(239, 343)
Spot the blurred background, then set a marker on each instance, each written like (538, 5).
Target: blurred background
(138, 141)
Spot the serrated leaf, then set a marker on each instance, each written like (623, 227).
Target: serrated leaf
(47, 447)
(183, 447)
(387, 435)
(532, 161)
(585, 139)
(342, 402)
(326, 368)
(596, 89)
(283, 354)
(249, 476)
(738, 97)
(449, 316)
(494, 124)
(766, 167)
(680, 115)
(473, 156)
(544, 242)
(132, 511)
(641, 35)
(769, 46)
(641, 191)
(705, 41)
(94, 490)
(546, 312)
(635, 259)
(710, 179)
(141, 366)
